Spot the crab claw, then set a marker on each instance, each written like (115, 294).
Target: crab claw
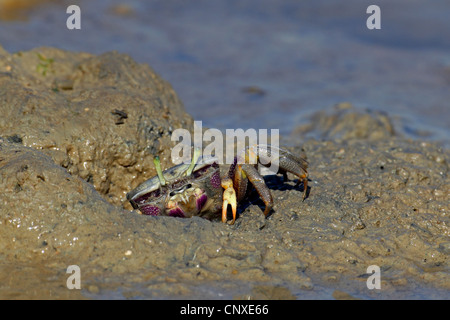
(229, 198)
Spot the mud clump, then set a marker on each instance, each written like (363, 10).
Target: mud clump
(100, 117)
(43, 206)
(75, 140)
(345, 122)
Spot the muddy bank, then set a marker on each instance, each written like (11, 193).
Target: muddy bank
(97, 116)
(68, 155)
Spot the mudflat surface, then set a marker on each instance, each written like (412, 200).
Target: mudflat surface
(78, 131)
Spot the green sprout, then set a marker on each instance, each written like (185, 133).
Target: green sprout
(44, 65)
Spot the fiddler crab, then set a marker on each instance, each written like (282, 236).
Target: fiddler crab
(197, 189)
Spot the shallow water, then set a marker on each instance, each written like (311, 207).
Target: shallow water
(267, 64)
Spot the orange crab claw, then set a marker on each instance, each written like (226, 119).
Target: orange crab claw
(229, 198)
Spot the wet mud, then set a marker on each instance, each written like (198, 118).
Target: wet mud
(97, 116)
(78, 131)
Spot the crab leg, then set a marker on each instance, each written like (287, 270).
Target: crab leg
(258, 182)
(241, 171)
(287, 162)
(229, 198)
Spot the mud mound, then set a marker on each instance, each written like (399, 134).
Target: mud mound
(100, 117)
(45, 210)
(344, 122)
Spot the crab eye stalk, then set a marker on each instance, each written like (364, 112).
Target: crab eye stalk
(197, 152)
(159, 170)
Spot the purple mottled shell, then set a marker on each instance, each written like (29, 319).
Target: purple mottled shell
(150, 210)
(201, 201)
(177, 212)
(215, 180)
